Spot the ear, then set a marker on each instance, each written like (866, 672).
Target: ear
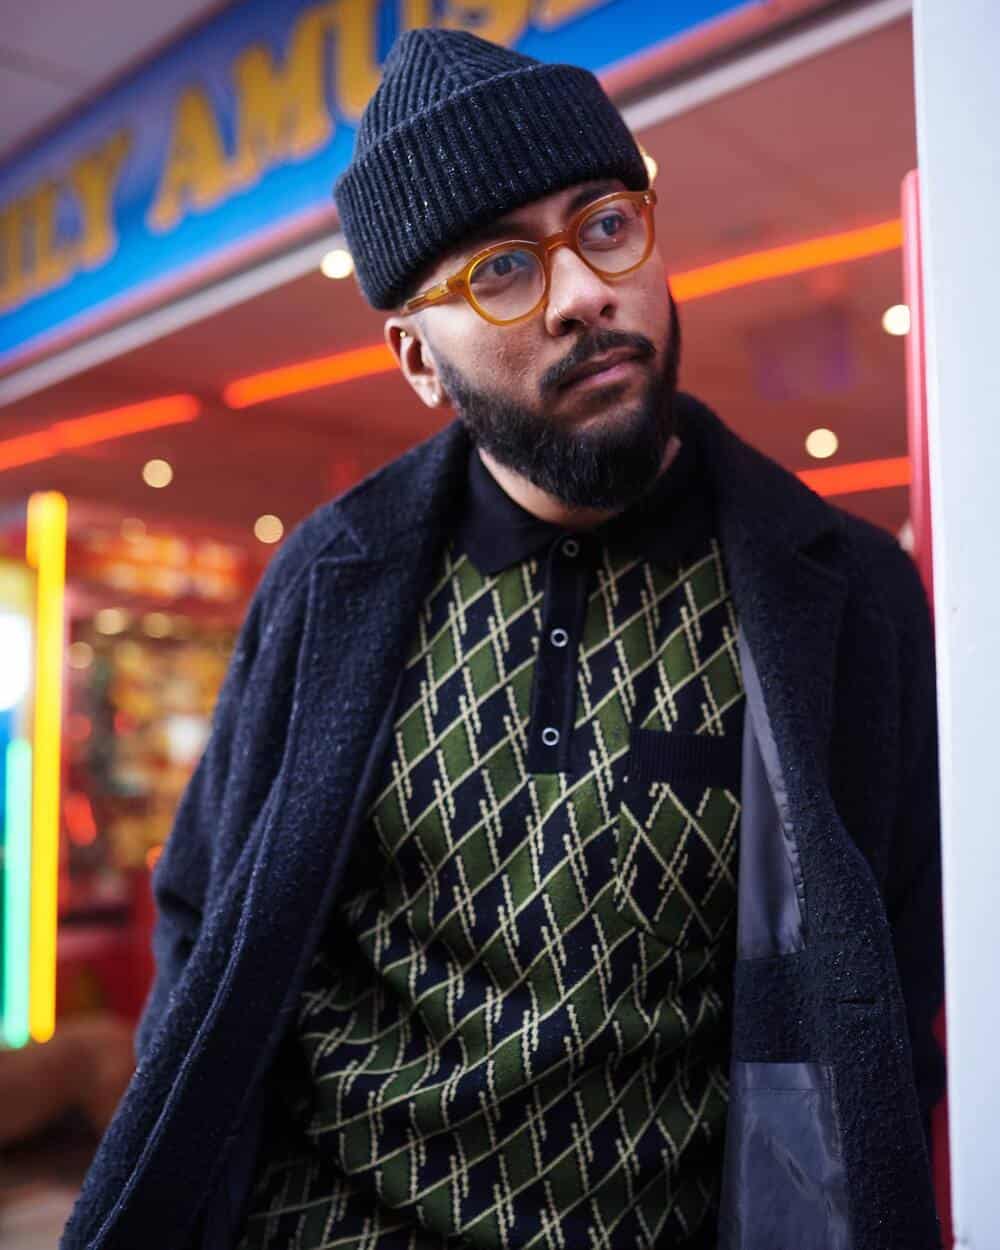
(416, 362)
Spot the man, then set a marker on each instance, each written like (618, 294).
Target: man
(563, 867)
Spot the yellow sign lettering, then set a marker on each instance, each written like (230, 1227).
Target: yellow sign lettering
(195, 174)
(416, 13)
(281, 112)
(53, 260)
(357, 68)
(555, 12)
(500, 21)
(93, 179)
(11, 254)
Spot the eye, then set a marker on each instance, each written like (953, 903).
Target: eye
(609, 227)
(611, 224)
(502, 268)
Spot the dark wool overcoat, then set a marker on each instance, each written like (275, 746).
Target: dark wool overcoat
(838, 974)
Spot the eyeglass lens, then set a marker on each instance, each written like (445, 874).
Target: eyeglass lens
(509, 282)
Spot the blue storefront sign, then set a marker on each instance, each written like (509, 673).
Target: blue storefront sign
(239, 131)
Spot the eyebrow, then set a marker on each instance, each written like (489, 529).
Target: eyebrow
(510, 229)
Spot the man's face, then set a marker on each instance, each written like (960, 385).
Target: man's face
(594, 441)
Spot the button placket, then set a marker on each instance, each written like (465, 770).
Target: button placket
(555, 680)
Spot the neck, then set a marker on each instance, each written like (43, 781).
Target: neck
(548, 507)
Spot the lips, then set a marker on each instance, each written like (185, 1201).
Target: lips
(600, 364)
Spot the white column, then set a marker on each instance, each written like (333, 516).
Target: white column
(957, 50)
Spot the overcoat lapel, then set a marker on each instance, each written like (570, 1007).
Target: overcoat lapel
(834, 1012)
(789, 603)
(358, 622)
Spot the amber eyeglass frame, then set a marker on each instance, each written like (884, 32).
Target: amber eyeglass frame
(459, 283)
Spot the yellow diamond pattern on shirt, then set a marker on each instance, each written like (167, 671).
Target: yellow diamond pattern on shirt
(513, 1039)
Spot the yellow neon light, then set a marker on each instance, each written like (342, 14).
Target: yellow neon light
(46, 550)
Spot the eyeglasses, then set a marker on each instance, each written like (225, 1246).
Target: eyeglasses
(509, 281)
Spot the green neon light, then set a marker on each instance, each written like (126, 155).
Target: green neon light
(17, 894)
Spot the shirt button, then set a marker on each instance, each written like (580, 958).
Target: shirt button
(550, 736)
(571, 547)
(559, 637)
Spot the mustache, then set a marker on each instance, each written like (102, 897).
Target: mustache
(589, 346)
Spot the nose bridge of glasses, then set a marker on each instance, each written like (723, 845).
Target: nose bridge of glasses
(561, 238)
(570, 240)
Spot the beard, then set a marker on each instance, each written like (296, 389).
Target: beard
(607, 466)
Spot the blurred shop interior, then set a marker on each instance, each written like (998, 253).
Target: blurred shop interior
(226, 444)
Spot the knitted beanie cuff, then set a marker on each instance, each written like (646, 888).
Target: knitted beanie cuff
(470, 158)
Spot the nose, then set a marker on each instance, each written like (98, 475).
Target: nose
(577, 296)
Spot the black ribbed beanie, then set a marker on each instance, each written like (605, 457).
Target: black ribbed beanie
(459, 132)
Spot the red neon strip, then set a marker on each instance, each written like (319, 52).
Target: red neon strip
(782, 262)
(916, 383)
(309, 375)
(777, 262)
(64, 436)
(848, 479)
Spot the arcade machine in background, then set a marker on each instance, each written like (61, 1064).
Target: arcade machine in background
(152, 615)
(114, 640)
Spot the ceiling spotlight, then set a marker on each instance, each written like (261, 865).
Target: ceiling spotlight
(80, 654)
(132, 529)
(896, 320)
(157, 473)
(157, 625)
(822, 443)
(111, 621)
(337, 263)
(268, 528)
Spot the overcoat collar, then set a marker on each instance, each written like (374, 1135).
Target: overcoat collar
(762, 506)
(772, 530)
(777, 539)
(774, 533)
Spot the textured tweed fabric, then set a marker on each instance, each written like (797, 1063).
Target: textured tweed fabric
(838, 626)
(516, 1031)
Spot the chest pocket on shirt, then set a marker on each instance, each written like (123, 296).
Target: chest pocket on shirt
(676, 848)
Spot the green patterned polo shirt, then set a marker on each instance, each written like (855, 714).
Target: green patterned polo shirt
(515, 1033)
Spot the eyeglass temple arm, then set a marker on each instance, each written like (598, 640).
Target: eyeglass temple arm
(431, 296)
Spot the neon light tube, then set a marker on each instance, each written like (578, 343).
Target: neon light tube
(46, 549)
(64, 436)
(309, 375)
(848, 479)
(17, 893)
(776, 262)
(782, 262)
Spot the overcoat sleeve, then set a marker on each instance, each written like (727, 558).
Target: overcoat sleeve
(913, 886)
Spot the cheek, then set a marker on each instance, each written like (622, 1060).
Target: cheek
(656, 305)
(506, 362)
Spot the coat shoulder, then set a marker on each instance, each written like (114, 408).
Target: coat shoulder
(890, 573)
(389, 501)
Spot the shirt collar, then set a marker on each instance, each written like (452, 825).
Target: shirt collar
(665, 525)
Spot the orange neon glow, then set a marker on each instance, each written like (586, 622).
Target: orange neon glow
(848, 479)
(782, 262)
(80, 823)
(776, 262)
(309, 375)
(64, 436)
